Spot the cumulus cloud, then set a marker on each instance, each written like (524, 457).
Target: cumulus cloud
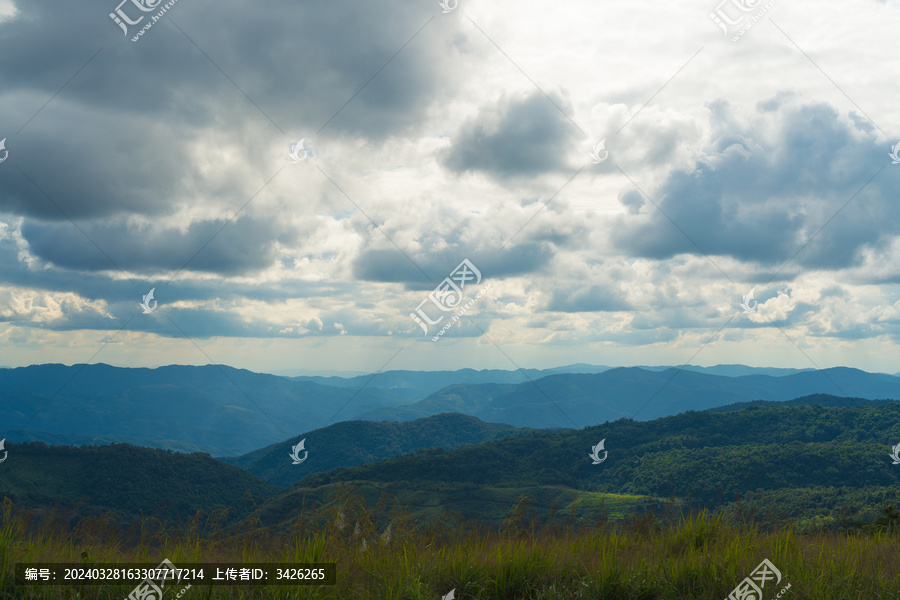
(767, 187)
(527, 136)
(435, 138)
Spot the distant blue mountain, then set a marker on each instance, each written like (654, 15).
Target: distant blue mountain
(579, 400)
(418, 384)
(229, 412)
(213, 408)
(735, 370)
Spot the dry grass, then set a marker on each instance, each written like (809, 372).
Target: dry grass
(699, 557)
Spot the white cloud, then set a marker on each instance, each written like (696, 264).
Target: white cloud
(450, 152)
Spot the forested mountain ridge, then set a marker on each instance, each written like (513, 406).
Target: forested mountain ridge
(813, 458)
(707, 454)
(125, 481)
(228, 412)
(352, 443)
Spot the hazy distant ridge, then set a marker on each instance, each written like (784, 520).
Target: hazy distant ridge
(228, 412)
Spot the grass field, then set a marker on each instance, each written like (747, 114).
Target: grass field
(699, 556)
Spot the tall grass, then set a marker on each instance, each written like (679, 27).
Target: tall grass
(697, 556)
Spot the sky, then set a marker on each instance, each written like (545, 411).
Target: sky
(619, 177)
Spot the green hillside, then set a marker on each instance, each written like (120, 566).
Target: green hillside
(697, 452)
(353, 443)
(825, 466)
(429, 504)
(125, 481)
(819, 461)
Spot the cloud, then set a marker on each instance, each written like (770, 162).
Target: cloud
(771, 184)
(431, 143)
(58, 310)
(594, 298)
(214, 246)
(513, 137)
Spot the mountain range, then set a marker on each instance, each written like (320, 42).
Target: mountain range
(814, 454)
(230, 412)
(579, 400)
(354, 443)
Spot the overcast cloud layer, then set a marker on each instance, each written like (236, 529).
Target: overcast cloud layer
(431, 137)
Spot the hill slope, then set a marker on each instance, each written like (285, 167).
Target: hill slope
(124, 480)
(815, 457)
(353, 443)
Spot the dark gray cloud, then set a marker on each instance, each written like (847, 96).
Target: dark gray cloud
(122, 137)
(594, 298)
(514, 137)
(391, 265)
(243, 245)
(117, 139)
(298, 62)
(760, 201)
(94, 166)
